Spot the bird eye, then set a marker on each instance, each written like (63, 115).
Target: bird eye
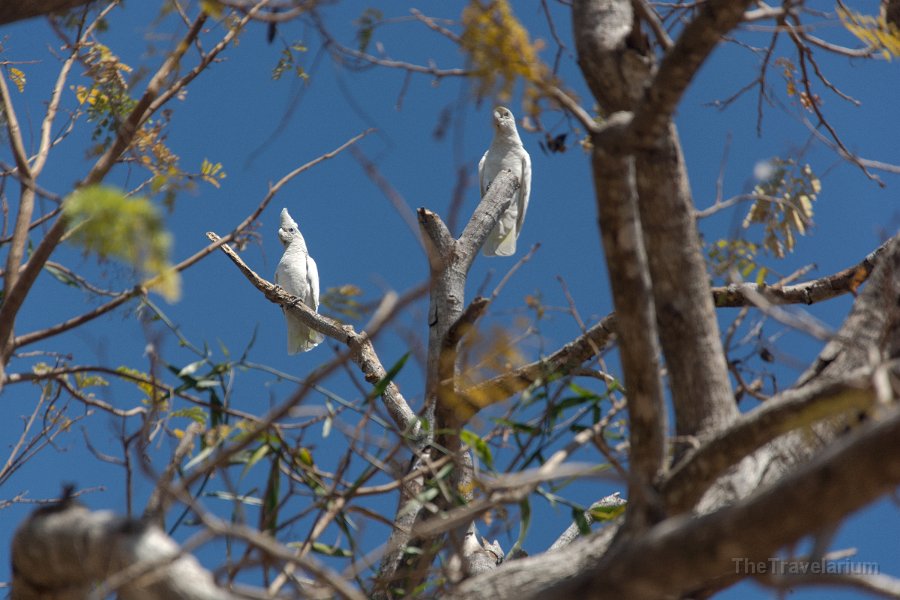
(291, 229)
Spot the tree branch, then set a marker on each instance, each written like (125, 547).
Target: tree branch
(809, 292)
(789, 411)
(125, 296)
(558, 364)
(361, 348)
(858, 470)
(686, 317)
(26, 201)
(16, 294)
(65, 551)
(601, 336)
(626, 260)
(678, 67)
(495, 201)
(449, 263)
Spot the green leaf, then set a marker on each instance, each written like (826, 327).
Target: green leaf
(367, 22)
(524, 523)
(478, 446)
(231, 497)
(389, 376)
(517, 426)
(194, 413)
(106, 222)
(142, 385)
(584, 528)
(268, 519)
(83, 380)
(736, 256)
(18, 78)
(217, 416)
(304, 456)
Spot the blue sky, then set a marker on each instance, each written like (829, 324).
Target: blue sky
(260, 129)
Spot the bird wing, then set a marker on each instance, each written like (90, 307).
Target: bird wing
(312, 279)
(481, 183)
(524, 190)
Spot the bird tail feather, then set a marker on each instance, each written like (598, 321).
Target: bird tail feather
(301, 338)
(497, 246)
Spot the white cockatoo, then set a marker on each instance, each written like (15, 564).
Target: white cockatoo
(298, 275)
(506, 152)
(480, 557)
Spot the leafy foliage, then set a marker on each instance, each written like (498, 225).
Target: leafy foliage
(500, 52)
(108, 103)
(479, 446)
(875, 32)
(288, 61)
(212, 173)
(783, 205)
(108, 223)
(18, 78)
(736, 256)
(366, 23)
(108, 100)
(789, 72)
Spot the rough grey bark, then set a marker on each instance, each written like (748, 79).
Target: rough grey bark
(891, 11)
(620, 69)
(615, 67)
(664, 277)
(620, 226)
(688, 326)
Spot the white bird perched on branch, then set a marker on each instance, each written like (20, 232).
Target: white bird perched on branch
(298, 275)
(506, 152)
